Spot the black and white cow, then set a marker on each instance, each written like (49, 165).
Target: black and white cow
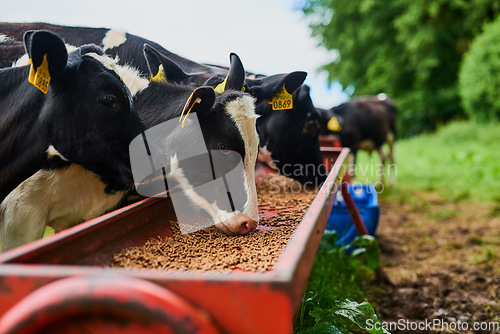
(80, 113)
(227, 123)
(289, 135)
(365, 123)
(9, 51)
(128, 48)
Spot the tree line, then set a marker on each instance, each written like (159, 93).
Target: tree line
(412, 50)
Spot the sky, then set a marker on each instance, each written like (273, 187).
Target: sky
(270, 36)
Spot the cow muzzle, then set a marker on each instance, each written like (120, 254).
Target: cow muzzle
(237, 223)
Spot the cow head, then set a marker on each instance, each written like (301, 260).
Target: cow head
(162, 68)
(88, 118)
(288, 127)
(227, 122)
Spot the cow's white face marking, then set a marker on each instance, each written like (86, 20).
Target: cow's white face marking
(52, 152)
(266, 157)
(229, 222)
(242, 112)
(106, 61)
(113, 38)
(130, 76)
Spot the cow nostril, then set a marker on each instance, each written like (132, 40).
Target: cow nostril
(247, 226)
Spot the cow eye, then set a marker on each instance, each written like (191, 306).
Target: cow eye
(107, 100)
(224, 148)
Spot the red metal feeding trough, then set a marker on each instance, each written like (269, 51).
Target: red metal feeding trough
(62, 282)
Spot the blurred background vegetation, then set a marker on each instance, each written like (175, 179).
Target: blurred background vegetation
(430, 56)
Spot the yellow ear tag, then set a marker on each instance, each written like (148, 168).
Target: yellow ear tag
(220, 88)
(282, 100)
(198, 100)
(160, 76)
(334, 125)
(41, 77)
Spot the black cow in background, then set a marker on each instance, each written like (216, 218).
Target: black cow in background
(289, 133)
(365, 123)
(289, 137)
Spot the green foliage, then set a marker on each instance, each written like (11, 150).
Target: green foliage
(335, 301)
(410, 50)
(479, 78)
(459, 161)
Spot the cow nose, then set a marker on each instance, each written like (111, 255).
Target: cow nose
(237, 223)
(246, 226)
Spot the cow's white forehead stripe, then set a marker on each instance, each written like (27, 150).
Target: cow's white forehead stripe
(108, 62)
(179, 176)
(242, 112)
(130, 76)
(113, 38)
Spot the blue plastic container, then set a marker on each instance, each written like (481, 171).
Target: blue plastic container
(366, 200)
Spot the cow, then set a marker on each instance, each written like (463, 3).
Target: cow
(10, 50)
(127, 47)
(227, 122)
(289, 134)
(365, 123)
(64, 109)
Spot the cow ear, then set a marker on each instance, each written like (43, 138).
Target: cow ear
(48, 57)
(267, 87)
(294, 80)
(201, 99)
(161, 68)
(236, 75)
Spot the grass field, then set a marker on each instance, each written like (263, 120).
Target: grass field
(460, 166)
(460, 162)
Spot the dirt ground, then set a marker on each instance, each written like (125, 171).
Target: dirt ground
(443, 260)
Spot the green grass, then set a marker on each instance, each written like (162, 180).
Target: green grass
(460, 162)
(335, 299)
